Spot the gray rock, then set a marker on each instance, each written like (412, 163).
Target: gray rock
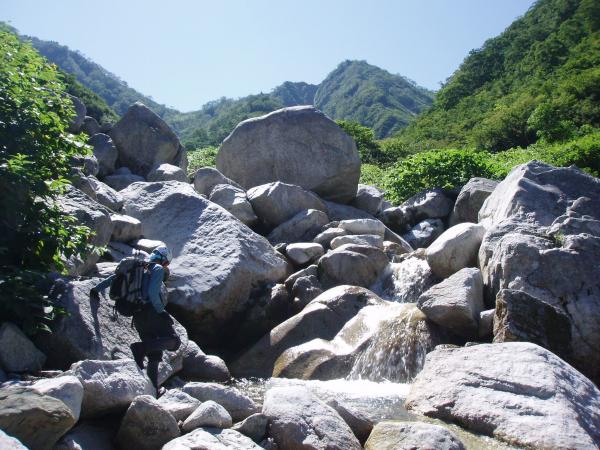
(297, 145)
(88, 164)
(37, 420)
(110, 386)
(125, 228)
(91, 214)
(470, 199)
(217, 259)
(424, 233)
(360, 424)
(306, 272)
(456, 302)
(146, 245)
(147, 425)
(374, 240)
(206, 178)
(430, 204)
(116, 251)
(238, 405)
(393, 250)
(522, 317)
(357, 265)
(324, 238)
(303, 227)
(10, 443)
(486, 324)
(198, 366)
(90, 330)
(234, 200)
(299, 420)
(455, 249)
(178, 403)
(412, 435)
(363, 226)
(544, 240)
(105, 152)
(305, 290)
(517, 392)
(322, 318)
(368, 198)
(275, 203)
(105, 195)
(144, 140)
(304, 252)
(121, 181)
(90, 435)
(82, 182)
(67, 389)
(398, 218)
(254, 426)
(17, 352)
(208, 414)
(167, 172)
(90, 126)
(213, 439)
(80, 111)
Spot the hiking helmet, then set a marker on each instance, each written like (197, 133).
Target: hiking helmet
(164, 253)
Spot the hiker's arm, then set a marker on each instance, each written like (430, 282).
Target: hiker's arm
(104, 283)
(156, 278)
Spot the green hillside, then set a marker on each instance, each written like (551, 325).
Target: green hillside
(540, 78)
(359, 92)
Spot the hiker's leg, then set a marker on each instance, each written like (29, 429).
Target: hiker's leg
(154, 359)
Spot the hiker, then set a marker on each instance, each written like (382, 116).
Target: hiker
(152, 322)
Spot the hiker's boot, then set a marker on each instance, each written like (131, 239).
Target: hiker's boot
(137, 348)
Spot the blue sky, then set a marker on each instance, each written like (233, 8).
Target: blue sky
(184, 52)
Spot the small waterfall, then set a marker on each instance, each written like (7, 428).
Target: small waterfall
(396, 352)
(405, 281)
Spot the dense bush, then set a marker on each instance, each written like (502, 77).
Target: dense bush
(35, 236)
(202, 157)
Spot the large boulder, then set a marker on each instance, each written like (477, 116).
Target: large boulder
(300, 421)
(90, 330)
(234, 200)
(322, 318)
(144, 140)
(218, 260)
(213, 439)
(208, 414)
(147, 425)
(105, 152)
(412, 435)
(90, 213)
(17, 352)
(178, 403)
(199, 366)
(237, 404)
(105, 195)
(368, 198)
(207, 178)
(455, 249)
(167, 172)
(37, 420)
(125, 228)
(517, 392)
(430, 204)
(456, 302)
(358, 265)
(277, 202)
(297, 145)
(470, 199)
(303, 227)
(360, 424)
(544, 239)
(90, 126)
(254, 426)
(122, 179)
(66, 388)
(110, 386)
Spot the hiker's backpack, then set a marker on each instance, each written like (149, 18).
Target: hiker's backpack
(126, 287)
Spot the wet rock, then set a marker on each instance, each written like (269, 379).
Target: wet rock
(238, 405)
(517, 392)
(297, 145)
(412, 435)
(167, 172)
(368, 198)
(208, 414)
(299, 420)
(110, 386)
(470, 199)
(144, 140)
(456, 302)
(424, 233)
(455, 249)
(303, 227)
(147, 425)
(360, 425)
(17, 352)
(234, 200)
(393, 250)
(356, 265)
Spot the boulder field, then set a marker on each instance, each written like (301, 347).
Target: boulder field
(485, 302)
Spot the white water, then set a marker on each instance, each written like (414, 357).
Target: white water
(403, 282)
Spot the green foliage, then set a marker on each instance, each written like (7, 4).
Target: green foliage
(364, 137)
(539, 79)
(35, 236)
(371, 174)
(202, 157)
(359, 92)
(96, 106)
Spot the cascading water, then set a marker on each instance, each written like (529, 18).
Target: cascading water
(404, 281)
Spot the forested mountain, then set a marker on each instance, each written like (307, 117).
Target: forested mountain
(373, 97)
(540, 78)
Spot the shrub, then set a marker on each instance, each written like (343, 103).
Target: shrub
(35, 236)
(201, 157)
